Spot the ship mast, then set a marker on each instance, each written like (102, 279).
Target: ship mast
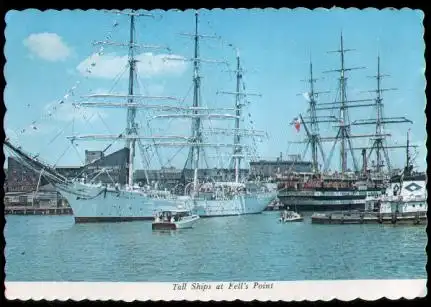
(344, 136)
(379, 142)
(130, 135)
(131, 111)
(313, 135)
(196, 132)
(196, 151)
(239, 104)
(195, 112)
(237, 138)
(409, 159)
(407, 170)
(314, 126)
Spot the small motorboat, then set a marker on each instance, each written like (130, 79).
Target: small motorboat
(290, 216)
(174, 219)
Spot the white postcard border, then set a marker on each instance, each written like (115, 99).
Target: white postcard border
(345, 290)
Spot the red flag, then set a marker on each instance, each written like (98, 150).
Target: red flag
(297, 124)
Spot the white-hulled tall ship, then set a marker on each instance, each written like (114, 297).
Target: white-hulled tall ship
(237, 197)
(322, 190)
(95, 202)
(92, 202)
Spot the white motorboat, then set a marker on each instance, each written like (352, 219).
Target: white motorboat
(174, 219)
(290, 216)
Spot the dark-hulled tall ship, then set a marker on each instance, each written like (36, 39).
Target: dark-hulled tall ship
(320, 189)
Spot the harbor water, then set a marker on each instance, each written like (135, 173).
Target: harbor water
(237, 248)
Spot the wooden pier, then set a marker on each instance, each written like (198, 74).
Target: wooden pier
(408, 218)
(26, 210)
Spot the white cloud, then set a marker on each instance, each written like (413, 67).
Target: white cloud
(47, 46)
(109, 66)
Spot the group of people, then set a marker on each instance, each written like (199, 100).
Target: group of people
(284, 215)
(160, 217)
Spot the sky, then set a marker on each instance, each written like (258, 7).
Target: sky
(52, 62)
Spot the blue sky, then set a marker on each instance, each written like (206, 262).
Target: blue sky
(48, 53)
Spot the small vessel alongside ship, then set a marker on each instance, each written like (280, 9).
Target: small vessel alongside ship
(174, 219)
(290, 216)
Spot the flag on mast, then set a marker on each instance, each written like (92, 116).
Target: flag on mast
(297, 124)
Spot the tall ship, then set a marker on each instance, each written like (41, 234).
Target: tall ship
(241, 195)
(346, 189)
(96, 202)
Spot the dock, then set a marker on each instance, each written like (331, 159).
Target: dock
(407, 218)
(26, 210)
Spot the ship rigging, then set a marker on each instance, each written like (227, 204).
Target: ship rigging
(344, 125)
(95, 202)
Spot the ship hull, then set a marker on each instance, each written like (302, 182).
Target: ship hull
(104, 205)
(319, 207)
(238, 205)
(326, 200)
(115, 206)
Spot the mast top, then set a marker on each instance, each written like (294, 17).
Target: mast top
(341, 41)
(237, 53)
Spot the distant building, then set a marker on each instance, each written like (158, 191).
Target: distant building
(20, 178)
(268, 168)
(5, 186)
(294, 157)
(166, 178)
(46, 196)
(16, 199)
(93, 155)
(110, 169)
(69, 171)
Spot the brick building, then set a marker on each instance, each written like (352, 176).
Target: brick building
(20, 178)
